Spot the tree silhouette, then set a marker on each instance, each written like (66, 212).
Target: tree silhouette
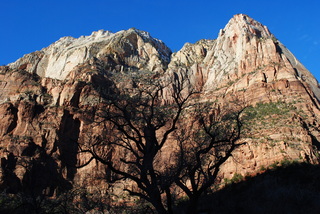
(139, 123)
(204, 147)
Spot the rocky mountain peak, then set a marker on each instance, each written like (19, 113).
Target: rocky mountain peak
(100, 33)
(244, 53)
(126, 49)
(96, 36)
(242, 24)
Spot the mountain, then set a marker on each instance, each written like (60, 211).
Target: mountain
(247, 62)
(127, 49)
(49, 99)
(244, 47)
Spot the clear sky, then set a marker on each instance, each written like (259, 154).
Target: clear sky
(30, 25)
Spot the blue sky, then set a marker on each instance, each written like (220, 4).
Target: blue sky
(30, 25)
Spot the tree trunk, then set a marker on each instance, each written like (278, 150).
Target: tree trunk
(160, 208)
(193, 205)
(169, 201)
(155, 200)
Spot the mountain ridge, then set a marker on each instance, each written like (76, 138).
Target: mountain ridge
(250, 46)
(239, 26)
(58, 59)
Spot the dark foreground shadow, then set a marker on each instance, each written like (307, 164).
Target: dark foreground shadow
(293, 188)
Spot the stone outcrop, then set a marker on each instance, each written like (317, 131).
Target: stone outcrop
(49, 98)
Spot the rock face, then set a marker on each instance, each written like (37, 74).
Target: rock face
(244, 53)
(48, 98)
(130, 49)
(247, 62)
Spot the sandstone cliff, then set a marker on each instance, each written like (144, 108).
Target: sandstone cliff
(244, 53)
(247, 63)
(128, 49)
(48, 98)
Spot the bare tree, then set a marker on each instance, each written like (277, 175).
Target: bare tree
(137, 128)
(140, 125)
(207, 144)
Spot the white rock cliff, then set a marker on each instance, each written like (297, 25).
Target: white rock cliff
(132, 48)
